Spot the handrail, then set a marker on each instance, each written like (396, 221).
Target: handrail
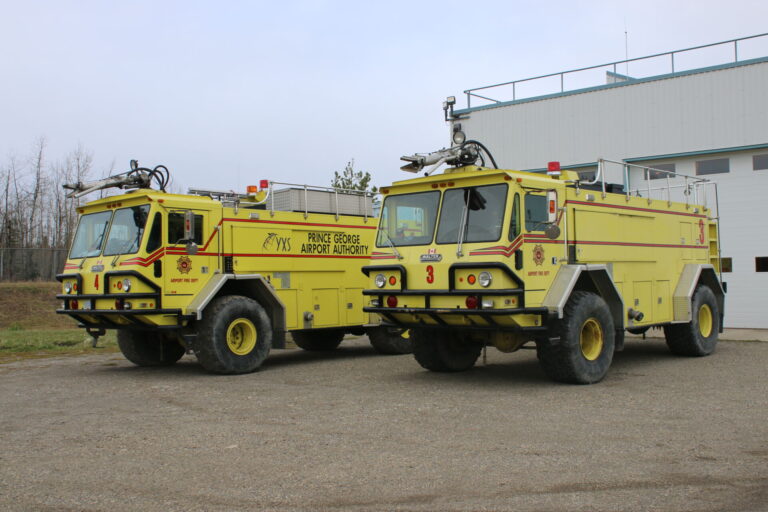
(690, 185)
(471, 92)
(308, 188)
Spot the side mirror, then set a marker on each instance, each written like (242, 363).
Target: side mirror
(189, 225)
(551, 206)
(552, 231)
(189, 231)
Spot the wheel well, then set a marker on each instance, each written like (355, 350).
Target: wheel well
(257, 290)
(709, 278)
(600, 283)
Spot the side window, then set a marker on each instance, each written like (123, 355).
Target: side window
(176, 228)
(514, 225)
(535, 212)
(155, 234)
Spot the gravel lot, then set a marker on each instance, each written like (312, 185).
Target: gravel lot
(355, 431)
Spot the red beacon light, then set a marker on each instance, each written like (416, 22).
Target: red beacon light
(263, 184)
(553, 168)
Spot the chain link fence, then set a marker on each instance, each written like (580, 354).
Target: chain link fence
(31, 264)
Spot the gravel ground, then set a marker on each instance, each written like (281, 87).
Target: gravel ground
(355, 431)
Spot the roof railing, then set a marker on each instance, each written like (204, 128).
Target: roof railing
(471, 93)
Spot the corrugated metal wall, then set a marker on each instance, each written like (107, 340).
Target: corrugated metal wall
(715, 109)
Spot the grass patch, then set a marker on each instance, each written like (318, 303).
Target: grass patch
(18, 344)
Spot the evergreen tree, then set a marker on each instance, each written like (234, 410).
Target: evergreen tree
(353, 180)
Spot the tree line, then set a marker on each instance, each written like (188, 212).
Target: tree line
(34, 210)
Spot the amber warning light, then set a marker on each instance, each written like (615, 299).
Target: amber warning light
(252, 190)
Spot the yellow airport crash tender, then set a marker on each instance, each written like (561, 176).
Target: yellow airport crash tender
(478, 256)
(218, 273)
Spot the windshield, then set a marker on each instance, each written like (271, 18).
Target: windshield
(126, 230)
(484, 210)
(408, 219)
(90, 235)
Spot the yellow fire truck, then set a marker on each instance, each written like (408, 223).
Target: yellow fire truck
(479, 256)
(222, 274)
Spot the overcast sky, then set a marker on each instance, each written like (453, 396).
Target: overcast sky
(227, 93)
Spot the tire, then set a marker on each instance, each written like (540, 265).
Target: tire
(318, 341)
(587, 341)
(234, 336)
(699, 336)
(149, 348)
(390, 340)
(444, 351)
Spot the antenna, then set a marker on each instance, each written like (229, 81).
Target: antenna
(626, 48)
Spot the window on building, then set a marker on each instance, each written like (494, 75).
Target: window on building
(760, 162)
(761, 264)
(714, 166)
(726, 264)
(656, 175)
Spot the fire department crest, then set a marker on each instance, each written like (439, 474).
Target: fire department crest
(538, 254)
(184, 264)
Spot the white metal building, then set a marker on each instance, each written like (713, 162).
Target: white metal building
(710, 121)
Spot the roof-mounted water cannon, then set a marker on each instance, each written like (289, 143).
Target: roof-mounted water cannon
(466, 153)
(137, 177)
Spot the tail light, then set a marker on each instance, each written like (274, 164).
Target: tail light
(472, 302)
(392, 301)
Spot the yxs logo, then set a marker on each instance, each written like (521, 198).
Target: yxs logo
(277, 243)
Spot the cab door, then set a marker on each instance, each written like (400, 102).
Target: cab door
(185, 272)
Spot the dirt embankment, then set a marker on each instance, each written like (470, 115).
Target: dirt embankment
(31, 305)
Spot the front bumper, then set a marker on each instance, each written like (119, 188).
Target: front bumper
(461, 319)
(139, 318)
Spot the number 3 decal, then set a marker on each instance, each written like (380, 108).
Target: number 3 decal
(430, 274)
(701, 231)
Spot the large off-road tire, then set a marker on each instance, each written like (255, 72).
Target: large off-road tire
(444, 351)
(234, 336)
(699, 336)
(585, 349)
(390, 340)
(318, 341)
(148, 348)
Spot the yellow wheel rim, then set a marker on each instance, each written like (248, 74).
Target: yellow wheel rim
(591, 339)
(705, 320)
(241, 336)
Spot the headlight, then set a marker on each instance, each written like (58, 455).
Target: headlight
(380, 280)
(67, 287)
(126, 285)
(484, 278)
